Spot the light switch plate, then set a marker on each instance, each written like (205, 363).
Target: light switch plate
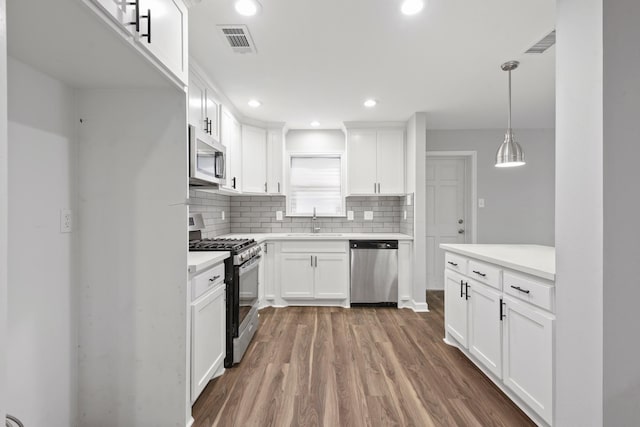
(368, 215)
(481, 203)
(349, 215)
(278, 215)
(66, 221)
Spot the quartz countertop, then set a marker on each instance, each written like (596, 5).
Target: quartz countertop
(201, 260)
(262, 237)
(536, 260)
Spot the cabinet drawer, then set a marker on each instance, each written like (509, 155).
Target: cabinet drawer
(207, 280)
(529, 289)
(308, 246)
(455, 262)
(484, 273)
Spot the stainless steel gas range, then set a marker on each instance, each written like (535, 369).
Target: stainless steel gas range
(241, 278)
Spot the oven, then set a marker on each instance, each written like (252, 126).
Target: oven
(247, 291)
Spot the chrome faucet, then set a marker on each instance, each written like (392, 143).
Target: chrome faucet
(315, 229)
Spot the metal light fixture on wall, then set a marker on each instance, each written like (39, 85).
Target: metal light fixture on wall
(509, 153)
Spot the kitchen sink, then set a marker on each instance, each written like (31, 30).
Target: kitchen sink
(314, 234)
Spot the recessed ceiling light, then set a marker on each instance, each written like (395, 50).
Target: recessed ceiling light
(411, 7)
(247, 7)
(315, 123)
(254, 103)
(370, 103)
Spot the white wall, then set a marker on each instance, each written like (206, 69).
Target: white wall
(315, 141)
(42, 327)
(519, 202)
(621, 206)
(579, 214)
(3, 209)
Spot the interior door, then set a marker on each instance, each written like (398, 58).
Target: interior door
(446, 212)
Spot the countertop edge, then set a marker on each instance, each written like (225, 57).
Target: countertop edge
(214, 259)
(543, 274)
(263, 237)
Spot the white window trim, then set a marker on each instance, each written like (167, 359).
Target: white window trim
(343, 182)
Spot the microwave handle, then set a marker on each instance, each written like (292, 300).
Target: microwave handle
(220, 173)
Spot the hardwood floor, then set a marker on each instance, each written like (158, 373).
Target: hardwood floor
(324, 366)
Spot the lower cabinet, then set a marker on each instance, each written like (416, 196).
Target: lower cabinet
(208, 320)
(508, 333)
(528, 350)
(311, 271)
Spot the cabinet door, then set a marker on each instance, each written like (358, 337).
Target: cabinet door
(269, 260)
(297, 276)
(390, 161)
(254, 160)
(275, 161)
(196, 103)
(207, 338)
(229, 138)
(212, 114)
(362, 162)
(455, 311)
(331, 276)
(528, 355)
(234, 175)
(485, 326)
(168, 41)
(119, 12)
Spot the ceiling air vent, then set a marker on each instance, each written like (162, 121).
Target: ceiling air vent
(544, 44)
(238, 38)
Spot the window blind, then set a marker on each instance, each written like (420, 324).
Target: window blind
(315, 182)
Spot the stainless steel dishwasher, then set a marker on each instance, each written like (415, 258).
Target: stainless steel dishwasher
(374, 272)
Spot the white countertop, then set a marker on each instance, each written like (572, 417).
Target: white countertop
(319, 236)
(199, 261)
(536, 260)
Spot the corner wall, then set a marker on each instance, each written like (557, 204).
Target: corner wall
(4, 165)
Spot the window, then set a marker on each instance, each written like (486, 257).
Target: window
(315, 181)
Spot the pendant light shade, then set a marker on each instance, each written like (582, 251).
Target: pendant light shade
(509, 153)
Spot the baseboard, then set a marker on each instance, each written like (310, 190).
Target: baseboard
(418, 307)
(191, 421)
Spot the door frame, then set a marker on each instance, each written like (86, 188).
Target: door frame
(471, 199)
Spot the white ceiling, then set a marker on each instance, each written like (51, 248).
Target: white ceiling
(319, 60)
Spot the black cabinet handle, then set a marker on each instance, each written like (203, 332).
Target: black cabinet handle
(210, 126)
(461, 288)
(518, 288)
(480, 274)
(148, 18)
(265, 187)
(502, 315)
(137, 20)
(233, 182)
(466, 291)
(452, 263)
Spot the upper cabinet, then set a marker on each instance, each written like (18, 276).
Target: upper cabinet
(157, 27)
(254, 160)
(204, 110)
(275, 161)
(231, 138)
(376, 161)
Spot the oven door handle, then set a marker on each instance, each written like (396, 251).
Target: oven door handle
(247, 267)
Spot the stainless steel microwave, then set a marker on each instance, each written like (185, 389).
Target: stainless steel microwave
(206, 162)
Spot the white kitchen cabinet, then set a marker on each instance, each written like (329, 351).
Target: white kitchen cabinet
(269, 263)
(376, 161)
(485, 326)
(207, 338)
(119, 12)
(455, 311)
(230, 132)
(254, 160)
(203, 110)
(331, 276)
(275, 158)
(528, 355)
(164, 34)
(297, 280)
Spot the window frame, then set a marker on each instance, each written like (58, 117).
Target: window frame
(343, 182)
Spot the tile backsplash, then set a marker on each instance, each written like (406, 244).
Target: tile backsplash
(257, 214)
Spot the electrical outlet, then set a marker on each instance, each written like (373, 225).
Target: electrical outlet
(66, 221)
(278, 215)
(222, 216)
(409, 201)
(481, 203)
(368, 215)
(404, 214)
(349, 215)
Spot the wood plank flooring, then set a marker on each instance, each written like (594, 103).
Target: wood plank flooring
(325, 366)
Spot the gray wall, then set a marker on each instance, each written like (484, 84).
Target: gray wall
(519, 201)
(621, 206)
(211, 206)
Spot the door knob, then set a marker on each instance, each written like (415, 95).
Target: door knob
(460, 230)
(460, 221)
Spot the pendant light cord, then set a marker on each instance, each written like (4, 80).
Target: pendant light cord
(509, 120)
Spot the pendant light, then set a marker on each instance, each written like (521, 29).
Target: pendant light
(509, 153)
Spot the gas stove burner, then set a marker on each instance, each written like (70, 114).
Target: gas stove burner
(220, 244)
